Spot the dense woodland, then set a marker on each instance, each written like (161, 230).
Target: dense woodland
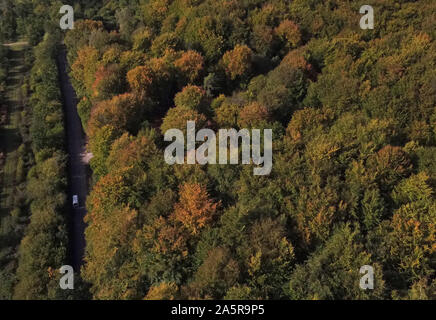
(354, 119)
(40, 198)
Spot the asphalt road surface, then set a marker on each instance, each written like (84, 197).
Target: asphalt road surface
(77, 168)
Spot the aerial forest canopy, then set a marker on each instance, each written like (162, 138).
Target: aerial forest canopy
(353, 114)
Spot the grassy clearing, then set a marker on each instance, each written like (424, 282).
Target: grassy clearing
(15, 160)
(11, 135)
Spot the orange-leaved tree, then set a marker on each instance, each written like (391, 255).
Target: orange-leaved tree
(238, 62)
(195, 209)
(290, 33)
(190, 64)
(252, 115)
(109, 81)
(140, 79)
(122, 112)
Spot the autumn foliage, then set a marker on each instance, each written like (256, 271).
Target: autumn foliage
(190, 64)
(84, 68)
(353, 119)
(177, 117)
(121, 111)
(140, 79)
(252, 114)
(289, 32)
(195, 210)
(191, 97)
(238, 62)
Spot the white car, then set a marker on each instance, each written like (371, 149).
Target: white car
(75, 201)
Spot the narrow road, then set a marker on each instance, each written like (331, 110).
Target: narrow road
(77, 166)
